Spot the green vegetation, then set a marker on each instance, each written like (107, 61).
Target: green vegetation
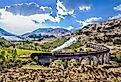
(76, 47)
(39, 36)
(115, 80)
(118, 56)
(53, 44)
(10, 51)
(5, 56)
(117, 41)
(43, 47)
(4, 43)
(9, 56)
(88, 49)
(64, 64)
(24, 52)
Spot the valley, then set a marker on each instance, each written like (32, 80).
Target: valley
(17, 65)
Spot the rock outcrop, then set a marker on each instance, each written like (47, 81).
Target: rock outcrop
(81, 74)
(104, 32)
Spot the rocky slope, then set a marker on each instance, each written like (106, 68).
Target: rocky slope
(104, 32)
(57, 72)
(81, 74)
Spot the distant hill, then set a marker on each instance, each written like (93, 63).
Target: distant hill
(48, 31)
(8, 36)
(105, 32)
(5, 33)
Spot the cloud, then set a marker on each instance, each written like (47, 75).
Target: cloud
(84, 8)
(62, 9)
(74, 4)
(89, 21)
(20, 24)
(117, 8)
(28, 9)
(70, 28)
(92, 19)
(115, 17)
(21, 4)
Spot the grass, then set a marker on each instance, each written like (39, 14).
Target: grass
(24, 52)
(54, 43)
(33, 66)
(23, 59)
(75, 45)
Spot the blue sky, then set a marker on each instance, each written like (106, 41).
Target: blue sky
(21, 16)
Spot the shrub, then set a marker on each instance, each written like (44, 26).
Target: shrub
(88, 50)
(73, 63)
(117, 41)
(65, 63)
(118, 56)
(115, 80)
(57, 64)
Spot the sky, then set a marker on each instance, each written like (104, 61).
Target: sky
(22, 16)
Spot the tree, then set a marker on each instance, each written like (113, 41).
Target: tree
(4, 56)
(14, 54)
(1, 58)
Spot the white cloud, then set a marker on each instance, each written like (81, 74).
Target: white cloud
(26, 4)
(115, 17)
(118, 8)
(15, 23)
(92, 19)
(28, 9)
(20, 4)
(84, 8)
(55, 27)
(70, 28)
(71, 12)
(62, 9)
(20, 24)
(45, 7)
(89, 21)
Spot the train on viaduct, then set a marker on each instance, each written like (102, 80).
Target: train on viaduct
(98, 57)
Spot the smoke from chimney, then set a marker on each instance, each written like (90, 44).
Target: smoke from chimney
(66, 44)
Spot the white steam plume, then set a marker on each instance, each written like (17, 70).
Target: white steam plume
(66, 44)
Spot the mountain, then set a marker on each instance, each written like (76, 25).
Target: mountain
(5, 33)
(49, 31)
(105, 32)
(8, 36)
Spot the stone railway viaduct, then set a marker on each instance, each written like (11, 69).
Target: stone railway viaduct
(100, 56)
